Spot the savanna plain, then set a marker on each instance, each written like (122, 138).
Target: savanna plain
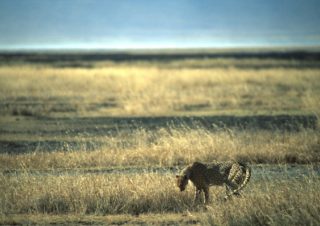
(97, 138)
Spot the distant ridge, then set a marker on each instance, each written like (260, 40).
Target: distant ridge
(158, 55)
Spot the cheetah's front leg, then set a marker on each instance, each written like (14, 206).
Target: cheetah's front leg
(206, 195)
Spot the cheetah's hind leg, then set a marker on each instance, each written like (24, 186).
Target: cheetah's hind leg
(197, 196)
(229, 192)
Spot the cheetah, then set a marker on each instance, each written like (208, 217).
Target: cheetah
(234, 175)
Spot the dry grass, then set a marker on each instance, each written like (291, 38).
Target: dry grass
(264, 201)
(121, 219)
(150, 90)
(271, 203)
(91, 194)
(42, 183)
(177, 147)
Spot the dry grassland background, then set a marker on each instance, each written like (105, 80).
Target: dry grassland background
(97, 138)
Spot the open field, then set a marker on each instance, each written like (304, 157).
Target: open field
(96, 138)
(290, 198)
(130, 91)
(125, 85)
(161, 148)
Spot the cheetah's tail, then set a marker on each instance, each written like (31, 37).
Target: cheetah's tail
(245, 181)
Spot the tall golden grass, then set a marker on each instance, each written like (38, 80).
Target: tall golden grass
(271, 202)
(264, 201)
(42, 182)
(151, 90)
(173, 146)
(90, 194)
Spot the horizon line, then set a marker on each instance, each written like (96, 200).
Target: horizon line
(162, 48)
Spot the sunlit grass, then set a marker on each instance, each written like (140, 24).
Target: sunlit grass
(271, 202)
(177, 147)
(89, 194)
(150, 90)
(267, 201)
(73, 182)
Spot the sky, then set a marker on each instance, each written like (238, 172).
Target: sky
(123, 24)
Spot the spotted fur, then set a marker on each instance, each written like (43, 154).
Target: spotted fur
(234, 175)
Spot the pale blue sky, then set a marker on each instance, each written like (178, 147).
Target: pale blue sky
(156, 24)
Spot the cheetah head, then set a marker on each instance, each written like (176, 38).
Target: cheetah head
(182, 181)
